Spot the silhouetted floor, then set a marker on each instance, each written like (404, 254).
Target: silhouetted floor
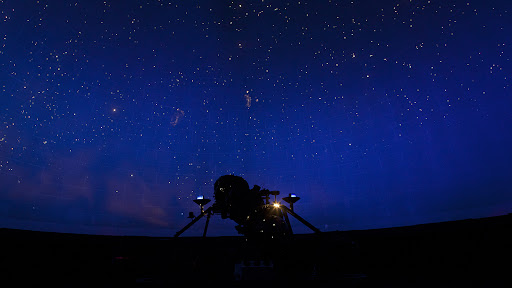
(468, 253)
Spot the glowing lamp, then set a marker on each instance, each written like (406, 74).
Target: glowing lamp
(201, 201)
(292, 198)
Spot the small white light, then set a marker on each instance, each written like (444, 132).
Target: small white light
(293, 195)
(200, 197)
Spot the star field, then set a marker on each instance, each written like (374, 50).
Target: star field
(116, 114)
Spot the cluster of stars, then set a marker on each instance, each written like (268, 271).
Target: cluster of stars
(142, 105)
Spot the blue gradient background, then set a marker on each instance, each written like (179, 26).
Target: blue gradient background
(116, 114)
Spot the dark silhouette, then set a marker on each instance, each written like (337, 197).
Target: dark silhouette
(465, 253)
(264, 223)
(257, 218)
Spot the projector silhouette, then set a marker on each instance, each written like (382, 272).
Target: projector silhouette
(256, 217)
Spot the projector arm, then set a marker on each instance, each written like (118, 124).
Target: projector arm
(288, 210)
(206, 212)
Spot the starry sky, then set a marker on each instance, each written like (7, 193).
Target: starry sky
(116, 114)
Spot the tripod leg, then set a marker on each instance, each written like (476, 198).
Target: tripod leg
(301, 219)
(287, 221)
(207, 221)
(191, 223)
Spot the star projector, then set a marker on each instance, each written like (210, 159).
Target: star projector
(251, 209)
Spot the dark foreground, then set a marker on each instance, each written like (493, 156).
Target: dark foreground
(468, 253)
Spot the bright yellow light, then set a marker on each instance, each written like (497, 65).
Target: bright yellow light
(276, 205)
